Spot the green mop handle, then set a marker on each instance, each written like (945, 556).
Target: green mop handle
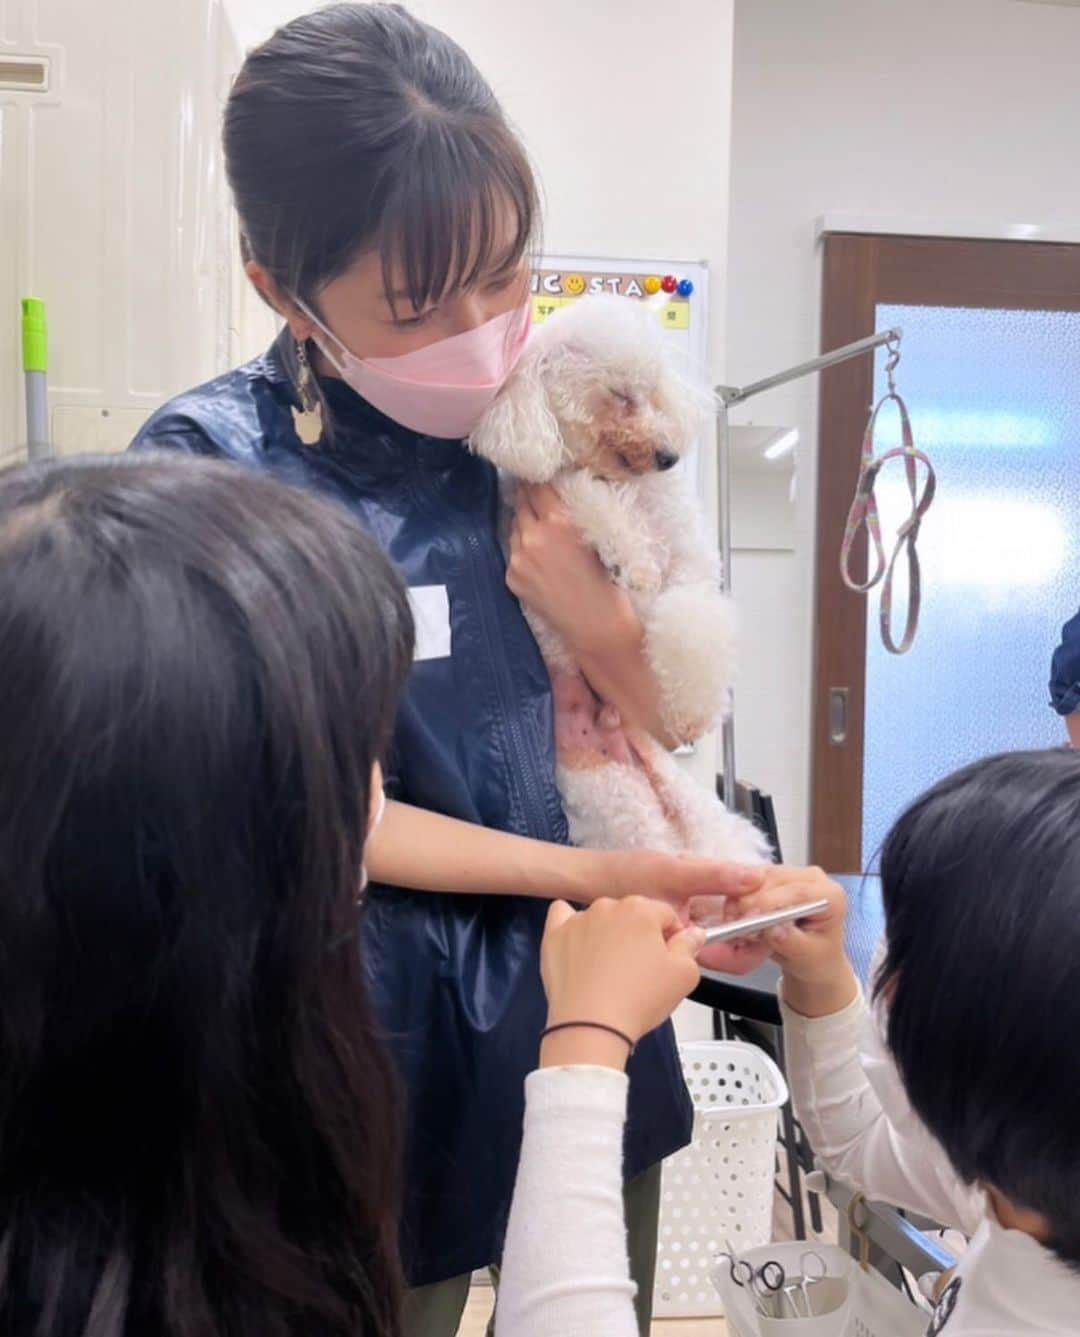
(35, 360)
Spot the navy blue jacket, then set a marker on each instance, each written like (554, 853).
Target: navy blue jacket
(1065, 670)
(454, 979)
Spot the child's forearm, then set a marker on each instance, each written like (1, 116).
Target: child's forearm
(425, 851)
(822, 998)
(882, 1150)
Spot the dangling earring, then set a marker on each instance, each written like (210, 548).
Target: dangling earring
(307, 419)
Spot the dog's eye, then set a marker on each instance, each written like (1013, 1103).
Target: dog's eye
(623, 399)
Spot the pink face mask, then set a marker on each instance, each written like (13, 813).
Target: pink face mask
(441, 390)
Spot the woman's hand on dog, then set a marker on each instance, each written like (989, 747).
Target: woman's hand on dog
(698, 889)
(556, 575)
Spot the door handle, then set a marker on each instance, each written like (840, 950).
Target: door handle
(838, 716)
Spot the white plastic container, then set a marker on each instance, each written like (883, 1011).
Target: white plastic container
(720, 1187)
(874, 1309)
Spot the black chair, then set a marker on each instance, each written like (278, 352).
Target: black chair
(758, 807)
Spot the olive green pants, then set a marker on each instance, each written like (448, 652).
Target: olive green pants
(435, 1311)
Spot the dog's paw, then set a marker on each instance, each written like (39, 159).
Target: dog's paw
(609, 718)
(641, 574)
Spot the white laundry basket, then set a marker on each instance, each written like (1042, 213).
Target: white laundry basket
(720, 1187)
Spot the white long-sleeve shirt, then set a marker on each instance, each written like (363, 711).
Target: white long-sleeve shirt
(852, 1105)
(565, 1271)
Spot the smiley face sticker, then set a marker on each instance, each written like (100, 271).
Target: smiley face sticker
(574, 285)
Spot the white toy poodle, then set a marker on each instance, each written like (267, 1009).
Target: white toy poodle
(596, 408)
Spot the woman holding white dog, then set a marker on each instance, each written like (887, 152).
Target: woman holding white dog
(386, 212)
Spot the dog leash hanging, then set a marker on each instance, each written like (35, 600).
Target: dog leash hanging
(864, 512)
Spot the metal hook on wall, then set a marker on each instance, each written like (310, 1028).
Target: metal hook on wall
(729, 395)
(892, 361)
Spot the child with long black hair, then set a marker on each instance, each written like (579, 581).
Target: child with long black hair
(199, 1129)
(198, 1133)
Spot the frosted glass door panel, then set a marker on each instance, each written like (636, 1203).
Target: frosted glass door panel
(995, 402)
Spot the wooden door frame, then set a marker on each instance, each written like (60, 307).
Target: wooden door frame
(861, 271)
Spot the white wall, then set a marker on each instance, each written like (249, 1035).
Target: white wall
(254, 20)
(112, 210)
(939, 109)
(625, 108)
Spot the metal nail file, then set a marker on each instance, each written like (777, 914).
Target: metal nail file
(744, 928)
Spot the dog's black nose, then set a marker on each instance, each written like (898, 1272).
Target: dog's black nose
(665, 459)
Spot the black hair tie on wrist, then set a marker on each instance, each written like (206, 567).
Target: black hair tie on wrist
(590, 1026)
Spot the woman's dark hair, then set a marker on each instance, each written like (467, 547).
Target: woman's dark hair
(359, 128)
(198, 1125)
(981, 882)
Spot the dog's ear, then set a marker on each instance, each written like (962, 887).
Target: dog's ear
(519, 433)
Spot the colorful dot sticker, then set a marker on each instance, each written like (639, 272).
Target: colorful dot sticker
(651, 284)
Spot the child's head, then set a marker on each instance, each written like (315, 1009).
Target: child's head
(200, 669)
(981, 881)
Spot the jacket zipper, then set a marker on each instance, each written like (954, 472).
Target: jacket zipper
(523, 757)
(523, 754)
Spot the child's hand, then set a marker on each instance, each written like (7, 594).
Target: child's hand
(817, 977)
(811, 949)
(624, 964)
(701, 890)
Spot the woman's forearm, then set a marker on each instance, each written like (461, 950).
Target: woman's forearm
(425, 851)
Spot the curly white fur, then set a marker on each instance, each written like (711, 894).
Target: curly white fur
(614, 807)
(596, 408)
